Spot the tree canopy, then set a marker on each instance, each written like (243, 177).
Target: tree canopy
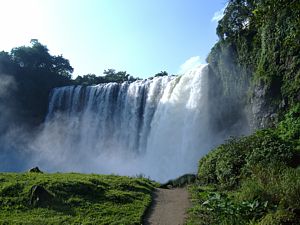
(109, 75)
(38, 58)
(35, 72)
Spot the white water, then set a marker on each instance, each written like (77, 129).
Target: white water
(158, 128)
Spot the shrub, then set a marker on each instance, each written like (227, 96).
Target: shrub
(271, 150)
(279, 217)
(289, 127)
(279, 185)
(207, 167)
(231, 161)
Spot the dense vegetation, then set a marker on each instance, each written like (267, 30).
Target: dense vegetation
(258, 54)
(110, 75)
(73, 199)
(255, 179)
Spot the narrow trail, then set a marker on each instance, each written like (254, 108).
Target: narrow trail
(169, 207)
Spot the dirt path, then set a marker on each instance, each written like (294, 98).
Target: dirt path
(169, 207)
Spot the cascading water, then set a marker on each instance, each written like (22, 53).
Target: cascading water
(157, 127)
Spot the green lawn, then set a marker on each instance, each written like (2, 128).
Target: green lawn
(76, 199)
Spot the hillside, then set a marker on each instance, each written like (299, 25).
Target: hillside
(255, 70)
(255, 65)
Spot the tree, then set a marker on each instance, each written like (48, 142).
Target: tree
(237, 17)
(161, 74)
(36, 72)
(89, 79)
(61, 66)
(112, 76)
(38, 58)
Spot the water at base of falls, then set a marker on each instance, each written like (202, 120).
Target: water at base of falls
(156, 127)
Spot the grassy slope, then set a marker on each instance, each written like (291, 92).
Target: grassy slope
(79, 199)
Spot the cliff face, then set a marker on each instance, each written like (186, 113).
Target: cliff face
(255, 65)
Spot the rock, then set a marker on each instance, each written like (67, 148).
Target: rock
(180, 181)
(35, 170)
(262, 112)
(283, 104)
(39, 196)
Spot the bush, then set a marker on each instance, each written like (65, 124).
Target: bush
(228, 163)
(270, 195)
(278, 185)
(207, 167)
(289, 127)
(279, 217)
(271, 150)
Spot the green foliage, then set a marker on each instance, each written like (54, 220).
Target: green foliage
(230, 161)
(222, 208)
(237, 17)
(161, 74)
(270, 150)
(270, 195)
(278, 185)
(289, 127)
(78, 199)
(37, 58)
(259, 47)
(256, 178)
(110, 75)
(89, 79)
(263, 37)
(279, 217)
(34, 73)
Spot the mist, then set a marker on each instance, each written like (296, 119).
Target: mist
(11, 134)
(7, 89)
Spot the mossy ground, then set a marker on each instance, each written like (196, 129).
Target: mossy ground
(79, 199)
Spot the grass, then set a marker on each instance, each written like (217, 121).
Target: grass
(77, 199)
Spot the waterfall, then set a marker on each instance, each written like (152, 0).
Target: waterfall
(156, 127)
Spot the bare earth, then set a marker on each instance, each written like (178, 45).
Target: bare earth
(169, 207)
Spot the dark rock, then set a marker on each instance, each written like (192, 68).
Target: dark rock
(180, 181)
(261, 112)
(39, 196)
(283, 104)
(35, 170)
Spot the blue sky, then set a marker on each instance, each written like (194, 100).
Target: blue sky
(142, 37)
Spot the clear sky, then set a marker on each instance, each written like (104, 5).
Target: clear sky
(142, 37)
